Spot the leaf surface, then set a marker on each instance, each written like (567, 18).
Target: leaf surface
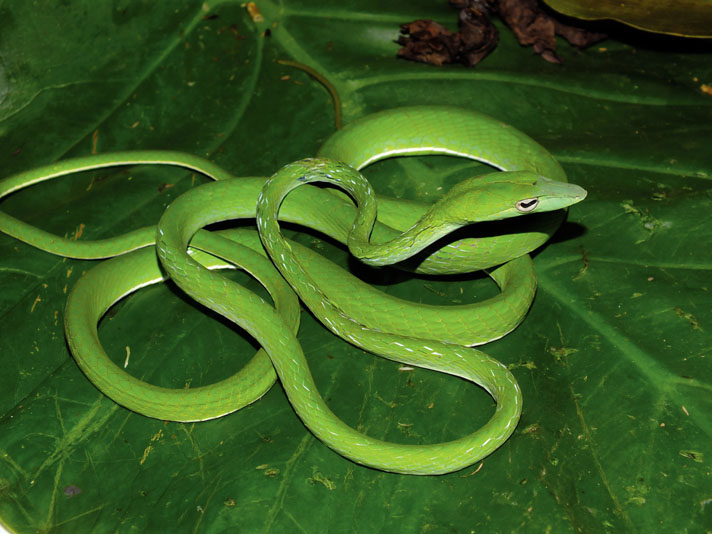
(613, 359)
(690, 18)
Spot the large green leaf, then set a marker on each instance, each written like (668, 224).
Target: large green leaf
(690, 18)
(613, 360)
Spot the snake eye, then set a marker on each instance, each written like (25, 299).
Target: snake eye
(528, 204)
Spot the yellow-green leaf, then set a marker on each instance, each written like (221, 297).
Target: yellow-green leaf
(689, 18)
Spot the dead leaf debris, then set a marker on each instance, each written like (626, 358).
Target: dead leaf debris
(427, 41)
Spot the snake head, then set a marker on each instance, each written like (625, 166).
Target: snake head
(503, 195)
(495, 196)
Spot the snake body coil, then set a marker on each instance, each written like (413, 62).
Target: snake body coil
(378, 231)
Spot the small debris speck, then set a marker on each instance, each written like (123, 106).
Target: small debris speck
(72, 490)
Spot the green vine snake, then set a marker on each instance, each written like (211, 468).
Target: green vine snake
(378, 230)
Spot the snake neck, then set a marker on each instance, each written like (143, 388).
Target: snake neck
(463, 205)
(487, 198)
(409, 243)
